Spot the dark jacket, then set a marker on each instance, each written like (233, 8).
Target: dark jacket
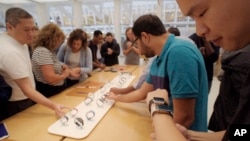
(209, 60)
(110, 60)
(232, 105)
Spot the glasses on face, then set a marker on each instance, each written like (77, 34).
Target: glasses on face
(134, 42)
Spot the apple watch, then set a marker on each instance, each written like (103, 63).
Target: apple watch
(163, 109)
(156, 100)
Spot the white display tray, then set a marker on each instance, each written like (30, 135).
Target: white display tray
(71, 130)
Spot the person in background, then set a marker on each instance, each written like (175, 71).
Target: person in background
(182, 73)
(174, 30)
(131, 52)
(77, 55)
(15, 66)
(210, 55)
(110, 50)
(95, 45)
(49, 72)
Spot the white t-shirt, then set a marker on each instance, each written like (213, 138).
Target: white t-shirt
(15, 64)
(74, 61)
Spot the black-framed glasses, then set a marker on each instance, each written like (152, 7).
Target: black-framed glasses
(133, 43)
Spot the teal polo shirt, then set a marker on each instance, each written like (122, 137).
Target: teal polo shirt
(181, 71)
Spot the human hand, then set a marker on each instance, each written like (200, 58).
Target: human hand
(129, 44)
(64, 67)
(202, 50)
(58, 108)
(110, 51)
(183, 130)
(112, 96)
(75, 72)
(65, 70)
(115, 90)
(102, 66)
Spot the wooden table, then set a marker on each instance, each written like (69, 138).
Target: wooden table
(124, 121)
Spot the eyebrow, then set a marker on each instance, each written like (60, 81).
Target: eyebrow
(193, 7)
(190, 11)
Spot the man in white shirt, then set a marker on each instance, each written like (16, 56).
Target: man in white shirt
(15, 64)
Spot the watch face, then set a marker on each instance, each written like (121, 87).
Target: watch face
(163, 107)
(159, 100)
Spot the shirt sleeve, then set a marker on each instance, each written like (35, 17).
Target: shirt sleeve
(183, 72)
(15, 65)
(42, 56)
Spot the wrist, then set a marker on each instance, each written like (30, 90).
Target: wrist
(156, 100)
(161, 109)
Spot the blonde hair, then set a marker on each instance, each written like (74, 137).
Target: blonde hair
(48, 37)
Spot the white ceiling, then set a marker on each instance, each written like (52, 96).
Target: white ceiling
(29, 1)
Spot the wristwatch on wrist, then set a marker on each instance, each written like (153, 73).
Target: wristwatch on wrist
(162, 109)
(156, 100)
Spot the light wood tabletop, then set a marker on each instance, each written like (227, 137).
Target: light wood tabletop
(124, 121)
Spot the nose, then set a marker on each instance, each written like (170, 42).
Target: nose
(201, 28)
(31, 33)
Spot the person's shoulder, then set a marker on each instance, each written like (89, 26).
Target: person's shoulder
(41, 49)
(184, 38)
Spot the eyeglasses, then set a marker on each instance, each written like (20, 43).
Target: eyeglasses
(133, 43)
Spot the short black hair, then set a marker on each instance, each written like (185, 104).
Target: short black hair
(174, 30)
(150, 24)
(97, 33)
(109, 34)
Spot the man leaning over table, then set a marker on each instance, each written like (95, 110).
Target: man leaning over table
(178, 68)
(15, 63)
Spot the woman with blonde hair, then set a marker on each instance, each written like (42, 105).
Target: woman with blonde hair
(77, 56)
(49, 72)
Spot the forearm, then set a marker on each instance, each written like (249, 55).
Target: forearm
(25, 85)
(127, 90)
(165, 129)
(57, 78)
(204, 136)
(39, 98)
(134, 96)
(136, 50)
(96, 63)
(126, 51)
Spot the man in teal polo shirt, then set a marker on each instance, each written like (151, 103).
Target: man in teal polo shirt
(178, 68)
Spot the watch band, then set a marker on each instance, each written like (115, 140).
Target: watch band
(154, 101)
(157, 109)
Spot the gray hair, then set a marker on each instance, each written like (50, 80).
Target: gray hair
(13, 15)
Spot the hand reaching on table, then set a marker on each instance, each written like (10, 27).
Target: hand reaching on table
(112, 96)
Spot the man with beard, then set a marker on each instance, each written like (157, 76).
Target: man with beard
(178, 68)
(110, 50)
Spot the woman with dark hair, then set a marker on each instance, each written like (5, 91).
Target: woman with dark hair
(77, 56)
(132, 53)
(49, 72)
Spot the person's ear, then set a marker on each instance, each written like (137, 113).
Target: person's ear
(9, 26)
(145, 37)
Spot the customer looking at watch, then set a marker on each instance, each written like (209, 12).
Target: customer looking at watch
(182, 73)
(15, 54)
